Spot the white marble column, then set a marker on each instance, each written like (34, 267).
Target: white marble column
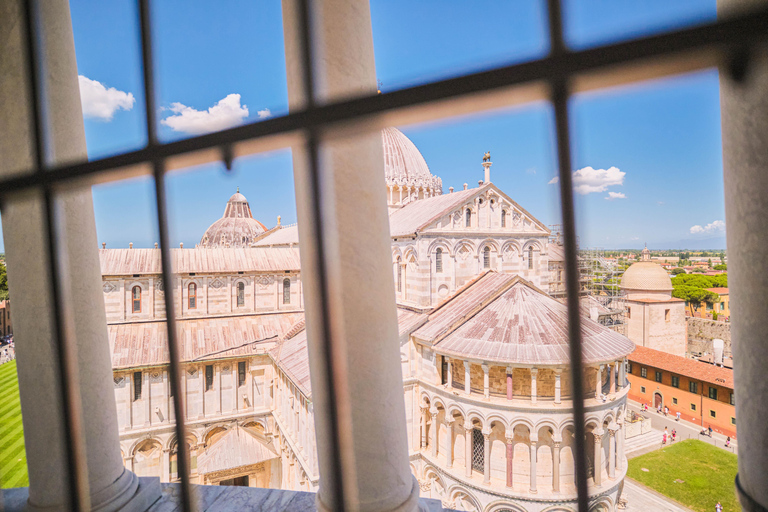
(612, 379)
(622, 373)
(468, 450)
(218, 392)
(486, 381)
(449, 378)
(534, 443)
(425, 421)
(448, 441)
(599, 382)
(534, 391)
(166, 461)
(557, 386)
(486, 456)
(620, 445)
(612, 453)
(111, 486)
(598, 458)
(467, 375)
(434, 431)
(556, 466)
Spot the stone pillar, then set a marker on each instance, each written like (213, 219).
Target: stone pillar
(361, 297)
(467, 373)
(435, 428)
(534, 443)
(217, 378)
(449, 378)
(622, 372)
(612, 379)
(534, 392)
(449, 441)
(486, 456)
(468, 450)
(111, 486)
(166, 465)
(557, 386)
(556, 466)
(425, 421)
(145, 397)
(510, 460)
(620, 446)
(598, 458)
(612, 453)
(510, 383)
(486, 381)
(599, 382)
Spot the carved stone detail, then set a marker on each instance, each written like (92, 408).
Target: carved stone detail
(108, 287)
(216, 284)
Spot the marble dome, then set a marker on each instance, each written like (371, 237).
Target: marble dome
(646, 275)
(237, 228)
(405, 170)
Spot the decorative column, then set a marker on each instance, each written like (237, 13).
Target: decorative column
(510, 383)
(486, 381)
(468, 449)
(217, 377)
(110, 485)
(449, 379)
(166, 465)
(534, 442)
(424, 420)
(486, 456)
(612, 453)
(510, 459)
(363, 335)
(622, 372)
(599, 382)
(598, 458)
(620, 445)
(449, 440)
(467, 373)
(435, 428)
(557, 385)
(556, 466)
(534, 392)
(612, 379)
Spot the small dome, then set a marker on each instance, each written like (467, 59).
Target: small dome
(237, 228)
(406, 169)
(646, 276)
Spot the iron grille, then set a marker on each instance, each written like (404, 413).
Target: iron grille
(553, 78)
(478, 450)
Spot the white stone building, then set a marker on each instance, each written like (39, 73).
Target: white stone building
(483, 353)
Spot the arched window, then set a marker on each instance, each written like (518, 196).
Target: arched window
(503, 218)
(286, 291)
(399, 275)
(439, 260)
(469, 218)
(530, 258)
(192, 295)
(240, 294)
(136, 299)
(487, 257)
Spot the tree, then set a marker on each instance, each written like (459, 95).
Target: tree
(694, 296)
(678, 270)
(3, 282)
(721, 267)
(709, 262)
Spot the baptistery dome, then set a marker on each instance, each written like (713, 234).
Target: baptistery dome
(406, 172)
(237, 228)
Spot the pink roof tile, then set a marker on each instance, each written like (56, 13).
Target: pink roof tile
(683, 366)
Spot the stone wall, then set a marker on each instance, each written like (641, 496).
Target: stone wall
(701, 332)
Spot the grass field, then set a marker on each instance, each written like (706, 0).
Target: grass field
(13, 457)
(694, 473)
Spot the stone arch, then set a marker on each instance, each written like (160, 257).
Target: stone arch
(521, 421)
(396, 252)
(496, 417)
(558, 508)
(443, 244)
(504, 506)
(438, 402)
(473, 416)
(465, 242)
(497, 446)
(212, 434)
(435, 479)
(147, 457)
(459, 495)
(547, 423)
(258, 425)
(603, 504)
(564, 425)
(511, 249)
(410, 253)
(171, 443)
(533, 242)
(455, 408)
(488, 242)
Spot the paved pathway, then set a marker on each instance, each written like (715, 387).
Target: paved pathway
(685, 429)
(642, 499)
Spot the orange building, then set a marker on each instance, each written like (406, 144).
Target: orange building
(5, 318)
(700, 392)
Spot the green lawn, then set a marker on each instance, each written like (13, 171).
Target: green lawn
(13, 457)
(707, 474)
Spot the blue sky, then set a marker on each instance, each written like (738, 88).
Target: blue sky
(653, 150)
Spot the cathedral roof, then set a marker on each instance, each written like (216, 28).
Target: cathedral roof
(237, 448)
(116, 262)
(503, 318)
(236, 228)
(404, 164)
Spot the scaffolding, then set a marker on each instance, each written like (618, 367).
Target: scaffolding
(603, 300)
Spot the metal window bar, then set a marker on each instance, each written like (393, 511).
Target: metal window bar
(478, 450)
(562, 70)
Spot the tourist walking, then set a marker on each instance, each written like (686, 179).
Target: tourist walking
(718, 507)
(728, 442)
(666, 410)
(677, 416)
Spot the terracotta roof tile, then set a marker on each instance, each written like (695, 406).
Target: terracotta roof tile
(683, 366)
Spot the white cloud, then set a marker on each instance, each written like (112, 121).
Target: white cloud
(589, 180)
(102, 103)
(717, 226)
(530, 170)
(615, 195)
(264, 113)
(225, 114)
(635, 238)
(553, 181)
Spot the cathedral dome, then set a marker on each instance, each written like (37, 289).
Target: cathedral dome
(237, 228)
(406, 172)
(646, 276)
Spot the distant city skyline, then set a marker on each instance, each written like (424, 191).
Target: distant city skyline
(647, 159)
